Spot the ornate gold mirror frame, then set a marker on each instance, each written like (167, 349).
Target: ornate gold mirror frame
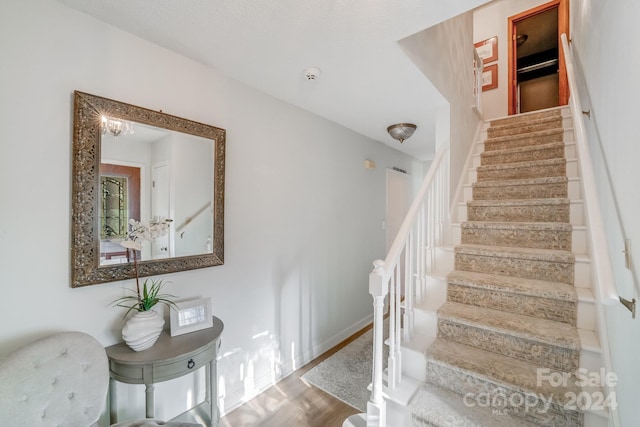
(85, 227)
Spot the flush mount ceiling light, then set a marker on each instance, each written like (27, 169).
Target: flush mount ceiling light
(401, 131)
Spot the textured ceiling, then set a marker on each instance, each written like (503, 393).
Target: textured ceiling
(366, 82)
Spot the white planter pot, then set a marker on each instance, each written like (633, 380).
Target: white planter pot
(142, 330)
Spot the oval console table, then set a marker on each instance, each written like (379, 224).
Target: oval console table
(169, 358)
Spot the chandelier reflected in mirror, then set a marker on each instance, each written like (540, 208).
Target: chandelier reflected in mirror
(401, 131)
(116, 127)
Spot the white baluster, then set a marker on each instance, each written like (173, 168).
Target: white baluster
(408, 290)
(378, 288)
(391, 364)
(398, 354)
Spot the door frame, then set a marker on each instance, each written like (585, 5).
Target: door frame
(563, 27)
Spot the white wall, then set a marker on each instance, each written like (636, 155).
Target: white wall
(605, 38)
(302, 219)
(444, 53)
(191, 160)
(488, 21)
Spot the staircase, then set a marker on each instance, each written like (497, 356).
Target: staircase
(517, 320)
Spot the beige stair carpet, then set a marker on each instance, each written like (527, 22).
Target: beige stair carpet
(510, 317)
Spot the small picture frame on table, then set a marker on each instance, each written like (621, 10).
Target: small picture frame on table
(190, 316)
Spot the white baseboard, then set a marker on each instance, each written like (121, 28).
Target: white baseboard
(237, 397)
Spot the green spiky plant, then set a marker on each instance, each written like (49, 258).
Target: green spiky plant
(150, 295)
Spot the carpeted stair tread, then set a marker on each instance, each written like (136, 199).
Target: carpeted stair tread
(532, 125)
(538, 298)
(522, 170)
(508, 372)
(526, 181)
(437, 406)
(520, 202)
(552, 150)
(530, 163)
(516, 285)
(530, 263)
(541, 135)
(516, 252)
(542, 235)
(520, 210)
(497, 225)
(532, 188)
(526, 327)
(526, 117)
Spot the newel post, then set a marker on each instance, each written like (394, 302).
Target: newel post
(378, 288)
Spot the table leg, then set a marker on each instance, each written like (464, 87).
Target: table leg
(150, 403)
(212, 394)
(113, 407)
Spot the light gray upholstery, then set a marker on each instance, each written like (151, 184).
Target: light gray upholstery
(155, 423)
(58, 381)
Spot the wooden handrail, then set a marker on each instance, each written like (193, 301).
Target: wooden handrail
(191, 218)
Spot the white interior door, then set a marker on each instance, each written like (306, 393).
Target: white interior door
(398, 202)
(161, 207)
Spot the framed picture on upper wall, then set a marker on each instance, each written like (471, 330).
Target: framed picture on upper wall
(488, 49)
(490, 77)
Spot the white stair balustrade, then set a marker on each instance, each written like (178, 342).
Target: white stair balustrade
(402, 278)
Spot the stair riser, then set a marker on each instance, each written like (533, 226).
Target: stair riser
(544, 308)
(413, 364)
(543, 354)
(586, 315)
(522, 172)
(426, 322)
(553, 152)
(519, 213)
(582, 277)
(590, 361)
(522, 237)
(520, 141)
(536, 409)
(516, 267)
(496, 131)
(528, 191)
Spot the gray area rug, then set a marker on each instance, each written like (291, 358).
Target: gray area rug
(346, 374)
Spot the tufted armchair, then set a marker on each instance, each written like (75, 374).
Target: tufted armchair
(58, 381)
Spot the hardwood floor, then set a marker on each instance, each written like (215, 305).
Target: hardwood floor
(293, 402)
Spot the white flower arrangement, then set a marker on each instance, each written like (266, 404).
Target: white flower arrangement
(150, 295)
(141, 231)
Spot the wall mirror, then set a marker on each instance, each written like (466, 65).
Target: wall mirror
(132, 162)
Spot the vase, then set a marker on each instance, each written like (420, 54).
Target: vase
(142, 330)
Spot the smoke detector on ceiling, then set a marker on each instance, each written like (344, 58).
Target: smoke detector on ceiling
(312, 73)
